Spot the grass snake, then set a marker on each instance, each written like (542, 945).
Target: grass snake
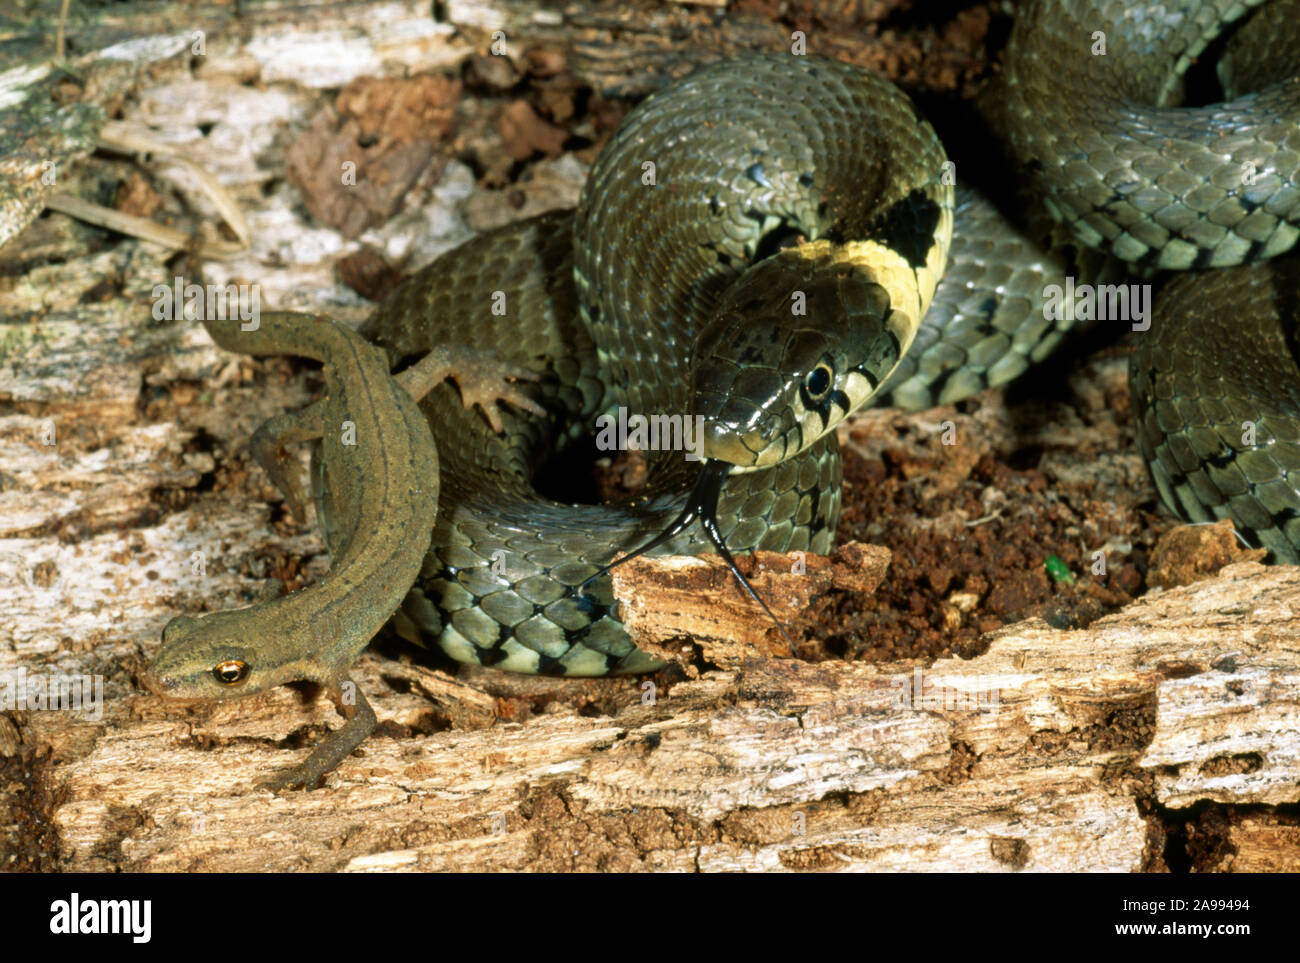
(776, 174)
(769, 244)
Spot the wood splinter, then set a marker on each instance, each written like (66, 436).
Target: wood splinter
(665, 600)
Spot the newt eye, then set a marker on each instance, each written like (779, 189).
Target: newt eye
(230, 672)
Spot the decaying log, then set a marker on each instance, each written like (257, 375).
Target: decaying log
(1043, 753)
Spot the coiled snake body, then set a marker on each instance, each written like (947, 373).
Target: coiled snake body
(779, 178)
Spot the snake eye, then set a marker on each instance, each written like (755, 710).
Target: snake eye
(818, 381)
(230, 672)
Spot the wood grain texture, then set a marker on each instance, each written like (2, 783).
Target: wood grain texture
(1035, 755)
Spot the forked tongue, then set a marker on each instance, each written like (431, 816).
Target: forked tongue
(701, 504)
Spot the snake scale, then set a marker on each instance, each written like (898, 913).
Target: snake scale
(776, 240)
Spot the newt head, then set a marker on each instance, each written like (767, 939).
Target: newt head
(205, 658)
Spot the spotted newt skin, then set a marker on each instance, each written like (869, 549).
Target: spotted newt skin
(379, 457)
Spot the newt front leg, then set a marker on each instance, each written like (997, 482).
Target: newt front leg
(334, 748)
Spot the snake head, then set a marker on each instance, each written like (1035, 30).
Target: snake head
(201, 658)
(791, 350)
(797, 342)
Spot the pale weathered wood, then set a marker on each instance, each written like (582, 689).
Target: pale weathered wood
(777, 764)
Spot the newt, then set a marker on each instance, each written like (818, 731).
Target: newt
(379, 465)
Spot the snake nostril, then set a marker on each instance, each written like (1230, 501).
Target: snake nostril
(739, 415)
